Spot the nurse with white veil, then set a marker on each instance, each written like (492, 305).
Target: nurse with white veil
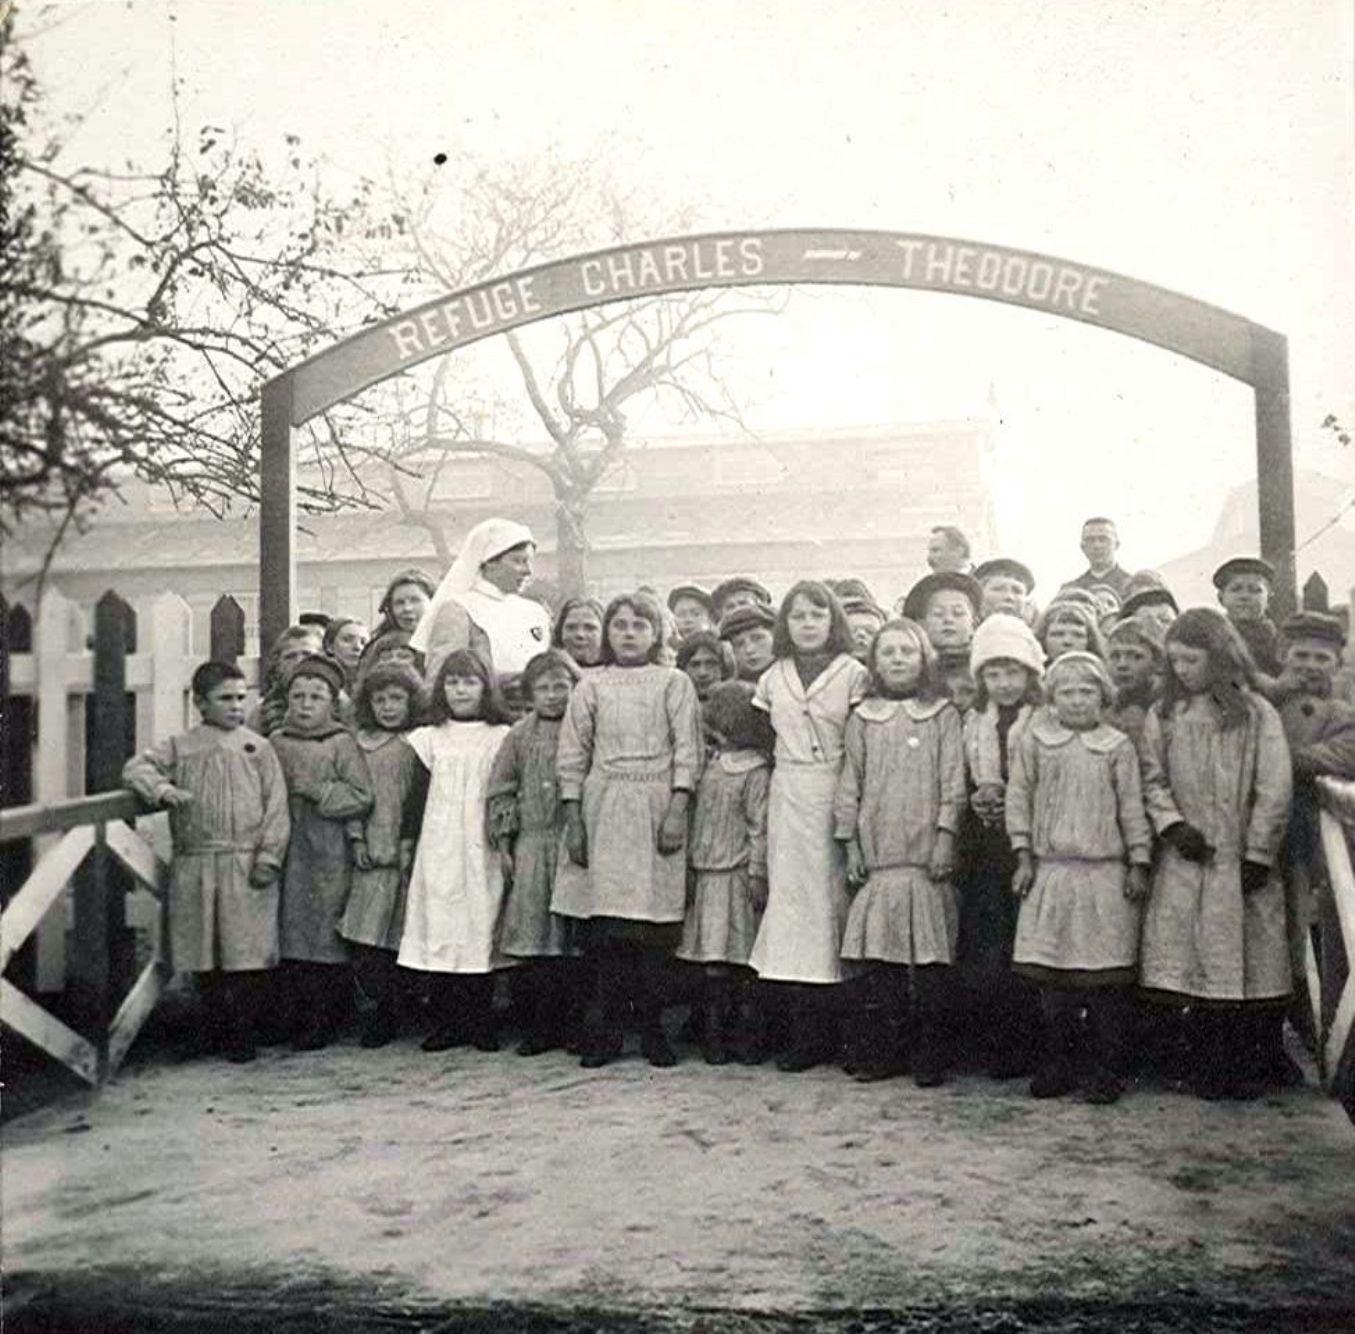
(478, 604)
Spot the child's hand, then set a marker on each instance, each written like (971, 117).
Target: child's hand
(262, 874)
(757, 892)
(362, 858)
(942, 864)
(1255, 875)
(989, 802)
(1189, 842)
(175, 797)
(857, 870)
(576, 836)
(1025, 874)
(673, 830)
(1136, 885)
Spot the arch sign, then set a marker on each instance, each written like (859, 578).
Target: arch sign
(1216, 338)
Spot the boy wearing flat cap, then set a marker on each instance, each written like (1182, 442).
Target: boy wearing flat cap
(748, 632)
(1244, 585)
(1006, 585)
(692, 611)
(740, 591)
(1321, 734)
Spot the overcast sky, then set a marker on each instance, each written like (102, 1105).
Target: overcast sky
(1204, 145)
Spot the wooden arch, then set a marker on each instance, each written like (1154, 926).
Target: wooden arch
(1207, 334)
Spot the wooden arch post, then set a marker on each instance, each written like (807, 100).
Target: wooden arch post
(1217, 338)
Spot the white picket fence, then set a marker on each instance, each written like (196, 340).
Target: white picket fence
(59, 676)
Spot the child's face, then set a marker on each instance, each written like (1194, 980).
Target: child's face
(390, 707)
(705, 669)
(809, 625)
(1245, 597)
(407, 605)
(1190, 666)
(1065, 636)
(1005, 681)
(1078, 703)
(753, 650)
(223, 705)
(581, 636)
(1131, 665)
(690, 616)
(631, 637)
(349, 642)
(741, 597)
(1313, 662)
(309, 702)
(949, 619)
(294, 650)
(550, 694)
(1159, 614)
(463, 695)
(864, 626)
(1003, 592)
(399, 653)
(961, 687)
(898, 661)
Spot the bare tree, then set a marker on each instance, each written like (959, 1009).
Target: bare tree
(511, 215)
(143, 307)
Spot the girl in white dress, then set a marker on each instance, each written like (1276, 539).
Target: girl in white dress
(808, 691)
(456, 887)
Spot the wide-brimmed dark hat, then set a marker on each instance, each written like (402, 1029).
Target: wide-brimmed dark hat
(1243, 565)
(693, 594)
(915, 603)
(1314, 625)
(1005, 565)
(745, 618)
(739, 583)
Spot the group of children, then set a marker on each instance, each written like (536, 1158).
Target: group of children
(854, 829)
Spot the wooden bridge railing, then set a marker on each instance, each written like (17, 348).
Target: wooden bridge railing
(95, 835)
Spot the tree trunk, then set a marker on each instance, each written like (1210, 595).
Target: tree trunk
(571, 545)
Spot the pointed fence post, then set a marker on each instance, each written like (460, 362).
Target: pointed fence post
(228, 629)
(103, 947)
(16, 770)
(1315, 595)
(169, 641)
(51, 650)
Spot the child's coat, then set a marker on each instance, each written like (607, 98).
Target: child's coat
(1075, 801)
(800, 939)
(631, 736)
(728, 847)
(456, 889)
(902, 781)
(237, 820)
(524, 805)
(327, 785)
(375, 912)
(1202, 936)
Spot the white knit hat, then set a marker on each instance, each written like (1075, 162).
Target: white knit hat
(1002, 635)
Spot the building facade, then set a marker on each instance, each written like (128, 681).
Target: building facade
(822, 503)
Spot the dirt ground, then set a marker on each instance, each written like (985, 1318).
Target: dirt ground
(349, 1189)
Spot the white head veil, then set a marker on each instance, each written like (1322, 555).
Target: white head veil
(487, 539)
